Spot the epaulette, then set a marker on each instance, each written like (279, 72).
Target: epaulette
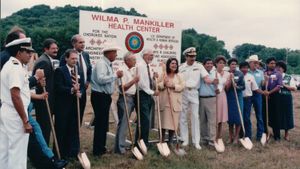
(15, 62)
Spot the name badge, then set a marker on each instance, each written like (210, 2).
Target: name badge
(258, 75)
(273, 77)
(236, 77)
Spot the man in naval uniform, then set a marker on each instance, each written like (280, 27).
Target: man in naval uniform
(192, 73)
(15, 96)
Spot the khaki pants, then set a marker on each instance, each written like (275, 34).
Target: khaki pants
(207, 111)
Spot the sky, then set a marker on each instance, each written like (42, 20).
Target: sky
(273, 23)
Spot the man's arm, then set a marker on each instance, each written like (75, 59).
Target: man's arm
(18, 104)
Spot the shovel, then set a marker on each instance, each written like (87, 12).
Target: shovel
(52, 126)
(245, 141)
(265, 136)
(140, 141)
(162, 147)
(135, 151)
(178, 151)
(218, 143)
(82, 157)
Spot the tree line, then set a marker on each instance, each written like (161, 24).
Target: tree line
(60, 23)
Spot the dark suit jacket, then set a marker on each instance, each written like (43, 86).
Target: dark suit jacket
(4, 57)
(43, 62)
(65, 106)
(86, 58)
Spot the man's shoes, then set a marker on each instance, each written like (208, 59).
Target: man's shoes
(197, 146)
(58, 164)
(185, 143)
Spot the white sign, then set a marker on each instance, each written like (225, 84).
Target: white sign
(131, 33)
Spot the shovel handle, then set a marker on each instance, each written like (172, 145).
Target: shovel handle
(126, 112)
(52, 125)
(238, 105)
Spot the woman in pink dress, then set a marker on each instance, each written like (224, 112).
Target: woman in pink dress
(224, 82)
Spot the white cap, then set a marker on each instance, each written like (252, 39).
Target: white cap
(25, 43)
(191, 51)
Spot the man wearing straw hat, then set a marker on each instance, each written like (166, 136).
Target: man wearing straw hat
(14, 124)
(129, 80)
(102, 83)
(256, 98)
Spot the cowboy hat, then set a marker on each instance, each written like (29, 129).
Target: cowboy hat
(253, 58)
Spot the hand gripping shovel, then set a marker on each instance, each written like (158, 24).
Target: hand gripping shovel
(161, 146)
(218, 142)
(265, 136)
(140, 141)
(178, 151)
(135, 151)
(245, 141)
(82, 157)
(52, 126)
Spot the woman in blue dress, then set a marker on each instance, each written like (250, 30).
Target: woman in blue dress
(233, 112)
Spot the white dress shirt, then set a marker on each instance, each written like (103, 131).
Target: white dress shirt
(144, 83)
(128, 75)
(250, 85)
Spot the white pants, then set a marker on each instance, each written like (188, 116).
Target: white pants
(190, 101)
(13, 140)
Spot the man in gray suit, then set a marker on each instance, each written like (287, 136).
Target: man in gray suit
(48, 63)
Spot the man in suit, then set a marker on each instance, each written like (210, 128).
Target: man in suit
(65, 105)
(84, 67)
(48, 63)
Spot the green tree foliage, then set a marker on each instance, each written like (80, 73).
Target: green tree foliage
(206, 46)
(242, 52)
(41, 22)
(61, 23)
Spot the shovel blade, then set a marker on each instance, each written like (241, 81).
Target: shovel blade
(179, 152)
(166, 148)
(138, 155)
(245, 143)
(221, 144)
(161, 149)
(263, 139)
(219, 147)
(142, 146)
(84, 161)
(249, 143)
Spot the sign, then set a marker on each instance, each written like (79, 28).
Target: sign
(130, 33)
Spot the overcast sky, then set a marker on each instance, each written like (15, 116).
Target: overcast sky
(274, 23)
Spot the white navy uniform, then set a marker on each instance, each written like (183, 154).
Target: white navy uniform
(13, 139)
(190, 100)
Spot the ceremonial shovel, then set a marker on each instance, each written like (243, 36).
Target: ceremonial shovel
(178, 151)
(245, 141)
(52, 125)
(135, 151)
(82, 157)
(140, 141)
(218, 143)
(162, 147)
(265, 136)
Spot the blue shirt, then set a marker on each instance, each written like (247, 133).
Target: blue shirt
(103, 77)
(259, 76)
(208, 89)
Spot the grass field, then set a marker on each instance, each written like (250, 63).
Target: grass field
(275, 155)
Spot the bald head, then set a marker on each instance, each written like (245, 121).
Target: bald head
(147, 55)
(78, 42)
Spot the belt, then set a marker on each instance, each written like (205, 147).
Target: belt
(190, 88)
(206, 96)
(247, 97)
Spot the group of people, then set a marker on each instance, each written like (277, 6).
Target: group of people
(205, 90)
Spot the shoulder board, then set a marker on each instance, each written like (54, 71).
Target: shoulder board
(15, 62)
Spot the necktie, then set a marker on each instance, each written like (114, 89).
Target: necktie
(149, 76)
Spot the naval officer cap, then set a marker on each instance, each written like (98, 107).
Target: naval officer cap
(24, 43)
(191, 51)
